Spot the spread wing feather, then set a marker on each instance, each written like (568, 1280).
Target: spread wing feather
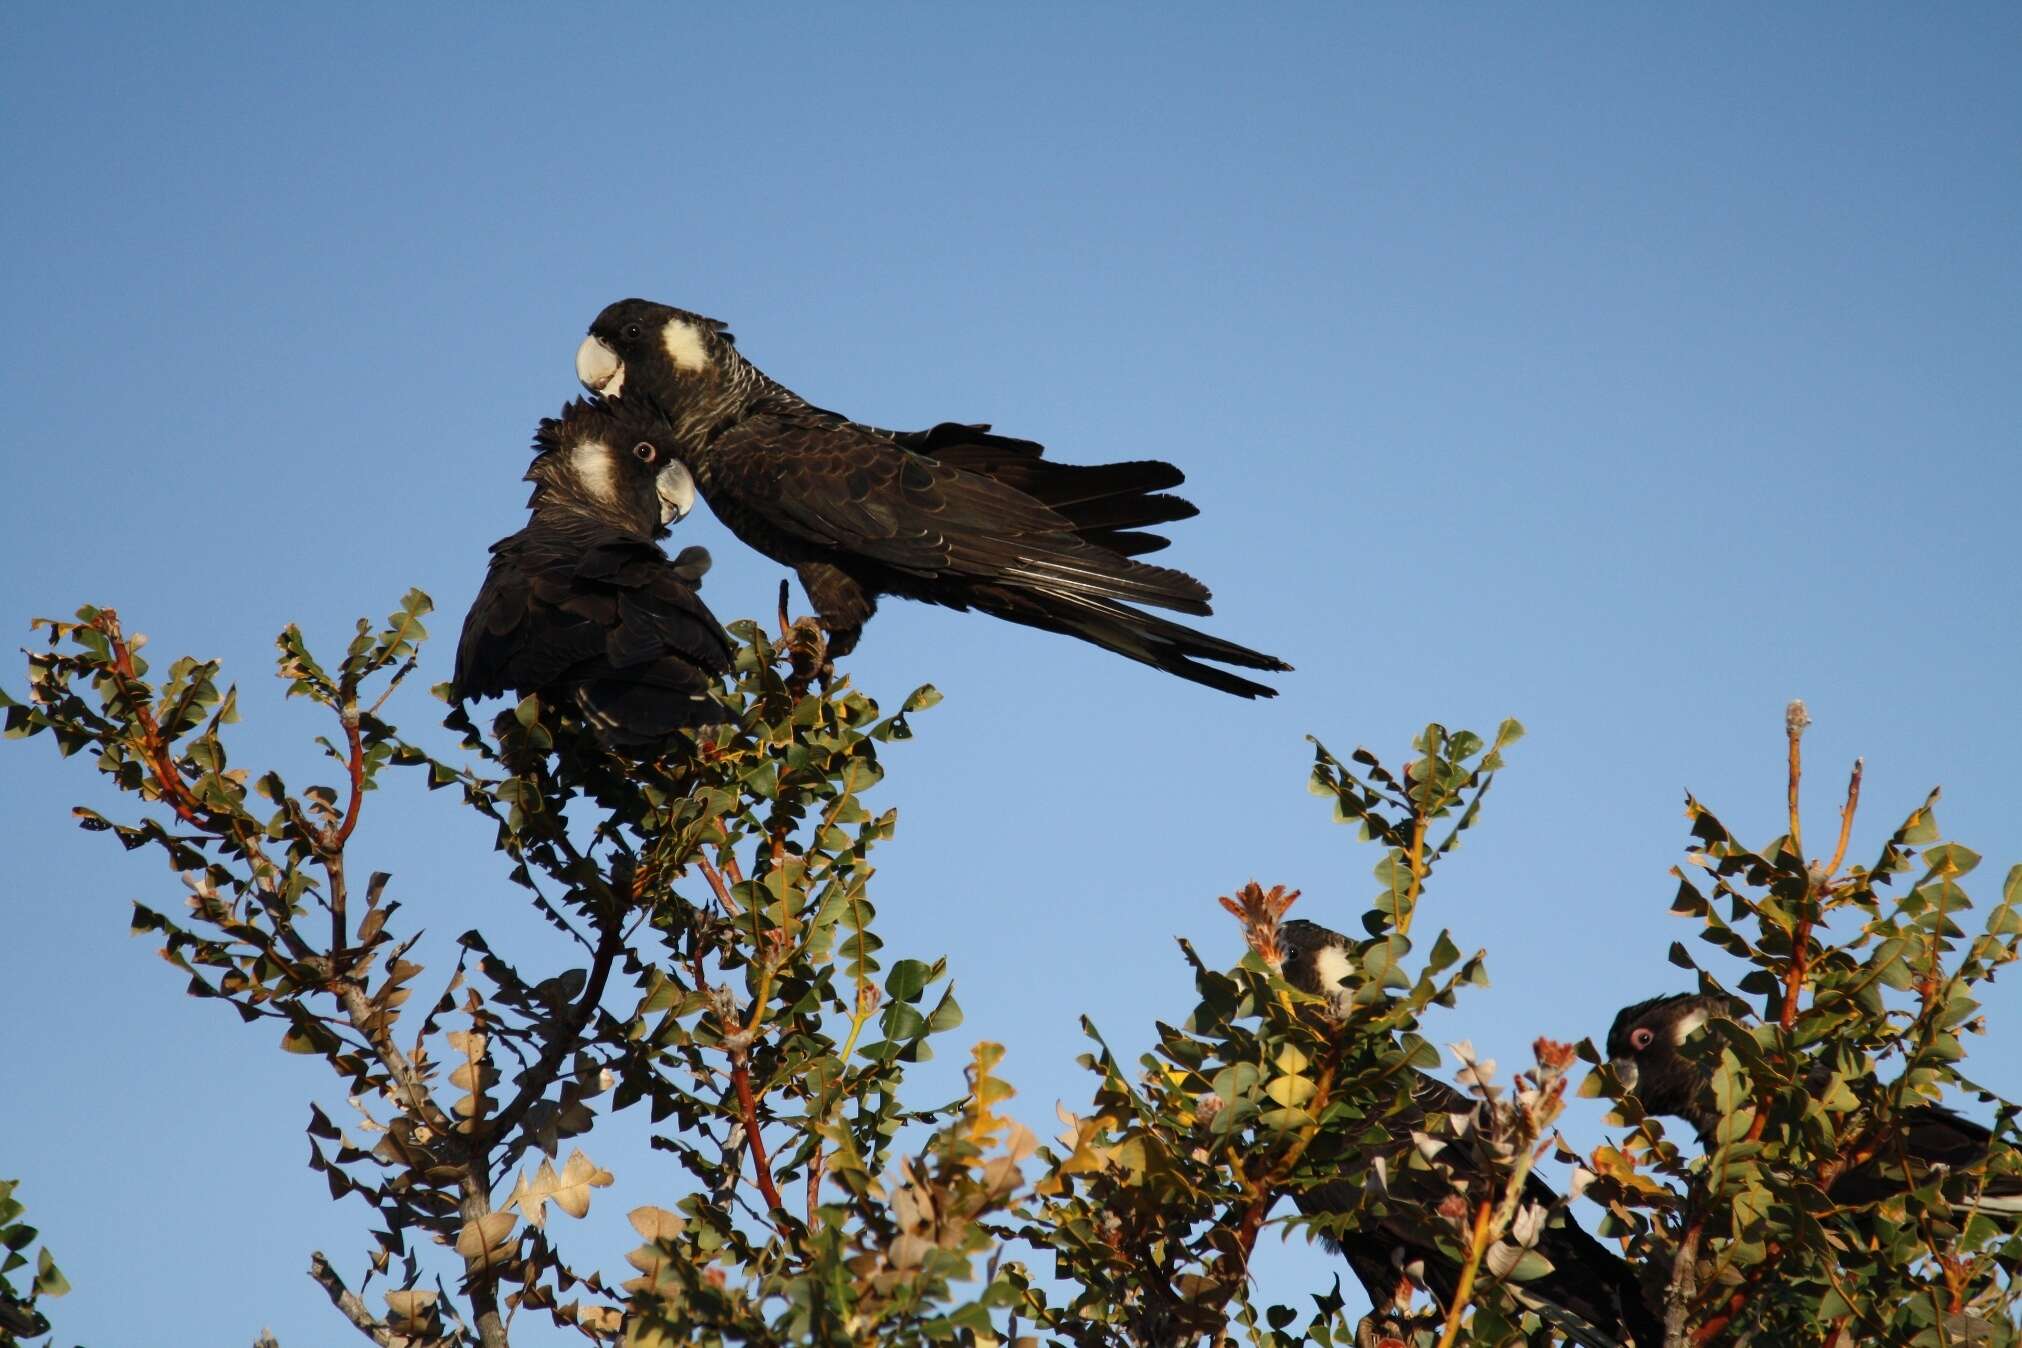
(848, 489)
(1092, 497)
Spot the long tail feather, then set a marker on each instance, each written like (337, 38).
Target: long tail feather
(1135, 635)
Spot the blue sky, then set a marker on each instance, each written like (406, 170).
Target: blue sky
(1629, 371)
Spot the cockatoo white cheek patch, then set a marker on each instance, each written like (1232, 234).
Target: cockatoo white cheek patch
(1334, 966)
(684, 345)
(1688, 1025)
(599, 368)
(591, 462)
(676, 489)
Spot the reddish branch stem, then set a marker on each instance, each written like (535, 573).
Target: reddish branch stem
(168, 781)
(356, 765)
(715, 879)
(1800, 964)
(1264, 1190)
(1846, 817)
(740, 1079)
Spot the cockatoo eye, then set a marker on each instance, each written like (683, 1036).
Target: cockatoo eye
(1640, 1037)
(644, 452)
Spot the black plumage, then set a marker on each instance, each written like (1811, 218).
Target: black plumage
(1591, 1294)
(1653, 1048)
(582, 606)
(952, 515)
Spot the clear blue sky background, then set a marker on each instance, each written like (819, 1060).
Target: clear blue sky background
(1627, 371)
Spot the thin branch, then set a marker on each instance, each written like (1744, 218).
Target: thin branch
(1795, 719)
(740, 1080)
(391, 684)
(1477, 1246)
(815, 1167)
(340, 924)
(536, 1080)
(1682, 1291)
(1793, 984)
(170, 787)
(1416, 857)
(715, 879)
(355, 765)
(350, 1305)
(363, 1016)
(1263, 1190)
(1846, 818)
(168, 781)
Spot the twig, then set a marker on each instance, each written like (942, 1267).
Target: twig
(740, 1079)
(355, 765)
(169, 786)
(1263, 1191)
(330, 843)
(1416, 857)
(867, 1004)
(1795, 719)
(1793, 984)
(366, 1020)
(815, 1167)
(1678, 1297)
(1477, 1246)
(350, 1305)
(168, 781)
(1846, 818)
(715, 879)
(535, 1082)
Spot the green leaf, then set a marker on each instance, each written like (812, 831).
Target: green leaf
(49, 1280)
(907, 980)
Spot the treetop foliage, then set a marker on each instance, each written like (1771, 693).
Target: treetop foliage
(715, 963)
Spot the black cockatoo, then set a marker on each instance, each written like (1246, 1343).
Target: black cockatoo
(1591, 1294)
(1652, 1048)
(582, 606)
(953, 515)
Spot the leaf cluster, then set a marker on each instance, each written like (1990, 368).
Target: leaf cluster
(1809, 1218)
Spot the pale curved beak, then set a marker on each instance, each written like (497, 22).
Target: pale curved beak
(676, 489)
(1625, 1072)
(599, 368)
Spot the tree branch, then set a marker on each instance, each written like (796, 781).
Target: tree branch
(740, 1080)
(535, 1081)
(481, 1279)
(351, 1306)
(1795, 719)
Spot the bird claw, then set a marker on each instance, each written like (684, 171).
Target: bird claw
(807, 652)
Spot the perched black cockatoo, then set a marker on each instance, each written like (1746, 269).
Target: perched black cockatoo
(1591, 1294)
(1648, 1048)
(582, 606)
(952, 515)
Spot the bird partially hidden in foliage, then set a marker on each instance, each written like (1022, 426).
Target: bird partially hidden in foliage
(583, 607)
(1655, 1049)
(1591, 1294)
(952, 515)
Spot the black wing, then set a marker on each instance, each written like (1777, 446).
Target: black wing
(1109, 504)
(604, 621)
(848, 490)
(805, 489)
(1591, 1294)
(1932, 1137)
